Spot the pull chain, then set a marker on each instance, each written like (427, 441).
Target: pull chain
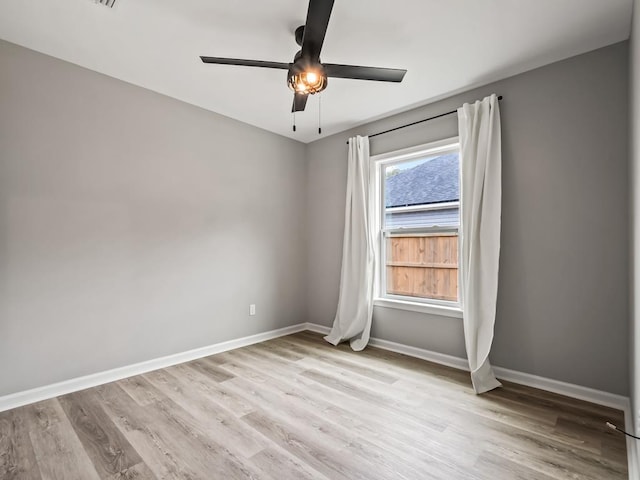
(294, 119)
(319, 114)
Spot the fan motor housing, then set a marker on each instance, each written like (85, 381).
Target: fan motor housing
(305, 77)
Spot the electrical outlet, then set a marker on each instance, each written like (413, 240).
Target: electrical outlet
(252, 309)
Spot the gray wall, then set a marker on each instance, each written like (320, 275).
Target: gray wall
(134, 226)
(563, 297)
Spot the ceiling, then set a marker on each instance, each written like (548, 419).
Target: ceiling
(446, 46)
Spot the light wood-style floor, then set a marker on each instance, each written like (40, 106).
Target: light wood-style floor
(296, 408)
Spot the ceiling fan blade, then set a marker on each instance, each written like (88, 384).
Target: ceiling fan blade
(245, 63)
(299, 102)
(315, 28)
(364, 73)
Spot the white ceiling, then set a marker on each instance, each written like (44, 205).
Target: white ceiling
(446, 46)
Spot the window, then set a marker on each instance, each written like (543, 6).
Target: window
(418, 208)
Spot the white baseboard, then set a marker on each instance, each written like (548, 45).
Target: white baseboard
(49, 391)
(26, 397)
(314, 327)
(570, 390)
(633, 446)
(435, 357)
(579, 392)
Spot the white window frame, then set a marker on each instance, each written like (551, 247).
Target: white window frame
(381, 298)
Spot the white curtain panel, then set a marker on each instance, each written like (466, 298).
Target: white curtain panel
(481, 192)
(355, 304)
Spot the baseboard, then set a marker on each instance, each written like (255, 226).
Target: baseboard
(570, 390)
(314, 327)
(435, 357)
(26, 397)
(563, 388)
(633, 446)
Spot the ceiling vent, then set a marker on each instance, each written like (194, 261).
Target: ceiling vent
(106, 3)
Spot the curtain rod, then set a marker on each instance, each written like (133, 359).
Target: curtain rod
(415, 123)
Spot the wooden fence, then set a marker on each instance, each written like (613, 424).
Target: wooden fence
(423, 265)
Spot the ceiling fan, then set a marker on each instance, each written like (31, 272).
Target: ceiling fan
(306, 74)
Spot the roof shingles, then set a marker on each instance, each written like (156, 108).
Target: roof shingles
(434, 181)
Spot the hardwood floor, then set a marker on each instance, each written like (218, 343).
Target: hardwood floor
(296, 408)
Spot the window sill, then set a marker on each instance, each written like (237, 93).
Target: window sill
(443, 311)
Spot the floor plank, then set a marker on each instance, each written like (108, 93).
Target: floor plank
(298, 408)
(109, 451)
(219, 424)
(17, 460)
(281, 465)
(58, 450)
(145, 433)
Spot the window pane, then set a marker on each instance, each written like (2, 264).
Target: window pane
(424, 266)
(446, 217)
(420, 193)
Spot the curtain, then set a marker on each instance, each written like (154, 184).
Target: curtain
(355, 303)
(481, 192)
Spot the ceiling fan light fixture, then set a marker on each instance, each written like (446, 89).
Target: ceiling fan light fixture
(307, 75)
(308, 81)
